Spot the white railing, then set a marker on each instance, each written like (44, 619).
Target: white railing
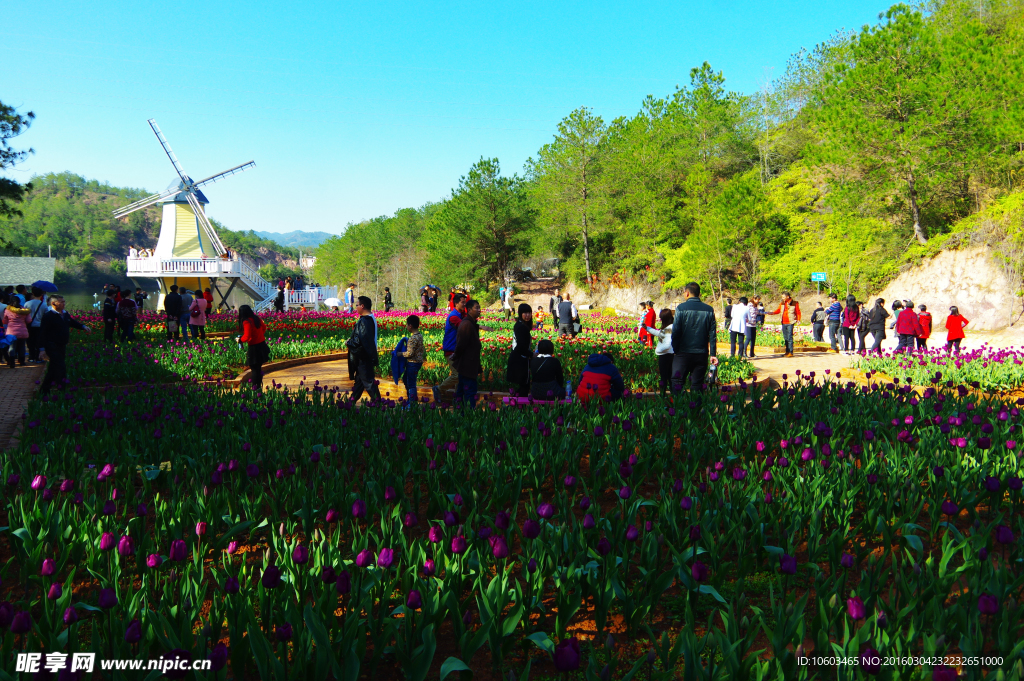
(194, 266)
(309, 297)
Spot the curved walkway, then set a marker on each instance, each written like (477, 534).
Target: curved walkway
(16, 388)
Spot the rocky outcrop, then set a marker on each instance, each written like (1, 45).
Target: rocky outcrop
(969, 279)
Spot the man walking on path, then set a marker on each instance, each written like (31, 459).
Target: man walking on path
(738, 328)
(448, 343)
(186, 316)
(36, 310)
(172, 308)
(694, 340)
(553, 304)
(728, 313)
(566, 314)
(834, 314)
(363, 344)
(790, 311)
(818, 323)
(350, 298)
(466, 358)
(55, 332)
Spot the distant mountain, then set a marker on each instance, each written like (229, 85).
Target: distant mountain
(297, 238)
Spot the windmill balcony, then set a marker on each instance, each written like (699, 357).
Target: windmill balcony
(170, 267)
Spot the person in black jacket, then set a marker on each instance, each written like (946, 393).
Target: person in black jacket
(363, 346)
(53, 341)
(546, 372)
(172, 308)
(518, 371)
(876, 324)
(109, 316)
(279, 299)
(694, 339)
(388, 305)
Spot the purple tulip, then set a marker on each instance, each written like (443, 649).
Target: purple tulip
(414, 600)
(13, 479)
(56, 591)
(604, 547)
(344, 583)
(988, 604)
(870, 661)
(429, 567)
(364, 558)
(451, 519)
(944, 673)
(686, 503)
(787, 564)
(252, 470)
(484, 533)
(133, 633)
(435, 535)
(458, 544)
(855, 608)
(107, 599)
(694, 532)
(231, 585)
(1004, 535)
(107, 541)
(332, 516)
(21, 623)
(569, 481)
(390, 494)
(410, 520)
(385, 558)
(38, 482)
(992, 484)
(949, 508)
(300, 555)
(109, 507)
(699, 571)
(632, 534)
(457, 500)
(531, 529)
(70, 615)
(178, 550)
(546, 511)
(218, 657)
(283, 632)
(358, 508)
(625, 492)
(499, 548)
(567, 655)
(983, 554)
(584, 503)
(502, 520)
(588, 522)
(125, 546)
(141, 511)
(48, 568)
(271, 578)
(846, 561)
(67, 485)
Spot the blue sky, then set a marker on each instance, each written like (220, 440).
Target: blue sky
(353, 110)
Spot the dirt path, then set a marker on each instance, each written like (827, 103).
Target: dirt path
(821, 363)
(535, 293)
(16, 388)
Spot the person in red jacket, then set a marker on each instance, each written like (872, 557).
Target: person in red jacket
(925, 319)
(253, 332)
(600, 380)
(908, 328)
(955, 329)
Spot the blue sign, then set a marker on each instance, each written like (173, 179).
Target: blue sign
(818, 276)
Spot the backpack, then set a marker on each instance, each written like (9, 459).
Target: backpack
(126, 312)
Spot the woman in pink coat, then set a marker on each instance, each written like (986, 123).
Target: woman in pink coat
(14, 319)
(197, 316)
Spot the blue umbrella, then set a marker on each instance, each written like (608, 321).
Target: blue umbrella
(46, 286)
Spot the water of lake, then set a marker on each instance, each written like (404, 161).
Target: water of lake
(84, 301)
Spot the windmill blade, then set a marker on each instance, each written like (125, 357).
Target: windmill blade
(204, 223)
(232, 171)
(170, 153)
(143, 203)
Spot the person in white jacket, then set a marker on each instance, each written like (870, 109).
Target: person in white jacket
(664, 349)
(738, 328)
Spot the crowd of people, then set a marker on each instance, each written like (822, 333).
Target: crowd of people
(36, 330)
(849, 325)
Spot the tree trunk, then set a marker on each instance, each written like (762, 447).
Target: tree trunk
(586, 246)
(919, 233)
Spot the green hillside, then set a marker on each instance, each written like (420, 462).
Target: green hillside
(872, 150)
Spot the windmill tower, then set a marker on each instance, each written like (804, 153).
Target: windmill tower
(188, 252)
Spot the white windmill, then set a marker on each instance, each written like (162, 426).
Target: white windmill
(188, 249)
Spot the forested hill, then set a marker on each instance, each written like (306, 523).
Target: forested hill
(71, 216)
(869, 152)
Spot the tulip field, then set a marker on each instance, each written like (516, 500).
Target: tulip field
(987, 369)
(824, 529)
(155, 359)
